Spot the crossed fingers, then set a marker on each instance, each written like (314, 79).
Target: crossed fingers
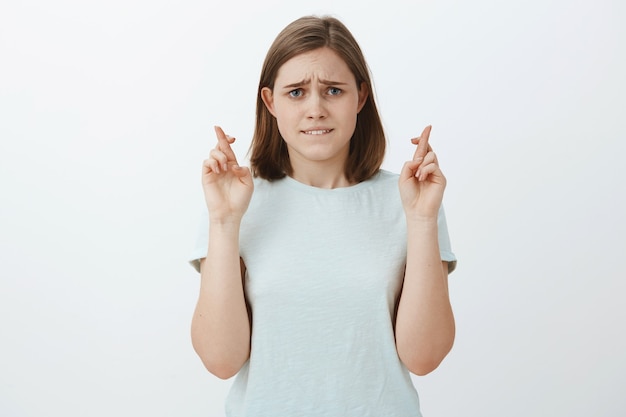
(424, 155)
(423, 147)
(222, 155)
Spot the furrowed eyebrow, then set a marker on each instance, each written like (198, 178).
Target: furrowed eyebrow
(298, 84)
(326, 82)
(305, 82)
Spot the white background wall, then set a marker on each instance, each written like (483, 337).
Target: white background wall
(106, 112)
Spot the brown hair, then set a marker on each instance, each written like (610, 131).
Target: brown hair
(269, 157)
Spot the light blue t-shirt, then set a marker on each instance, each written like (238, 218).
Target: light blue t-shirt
(324, 270)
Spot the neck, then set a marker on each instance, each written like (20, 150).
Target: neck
(320, 174)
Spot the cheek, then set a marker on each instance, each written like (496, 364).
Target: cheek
(284, 122)
(288, 119)
(350, 114)
(282, 130)
(350, 109)
(284, 111)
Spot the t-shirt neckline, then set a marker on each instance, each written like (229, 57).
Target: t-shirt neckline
(293, 183)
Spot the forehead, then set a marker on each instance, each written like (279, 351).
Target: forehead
(323, 63)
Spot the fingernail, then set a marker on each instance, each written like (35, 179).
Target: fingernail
(418, 159)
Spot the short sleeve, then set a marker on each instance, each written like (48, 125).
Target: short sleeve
(201, 246)
(445, 248)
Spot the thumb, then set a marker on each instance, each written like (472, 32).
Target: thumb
(243, 173)
(409, 169)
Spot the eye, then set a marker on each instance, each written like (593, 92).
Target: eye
(295, 93)
(334, 91)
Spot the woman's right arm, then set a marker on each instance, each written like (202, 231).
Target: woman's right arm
(220, 329)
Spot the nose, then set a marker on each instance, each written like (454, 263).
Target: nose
(316, 107)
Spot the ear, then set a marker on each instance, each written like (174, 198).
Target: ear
(268, 98)
(363, 94)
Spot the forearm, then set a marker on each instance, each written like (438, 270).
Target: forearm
(221, 325)
(425, 323)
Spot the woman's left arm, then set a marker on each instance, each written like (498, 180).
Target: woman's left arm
(425, 322)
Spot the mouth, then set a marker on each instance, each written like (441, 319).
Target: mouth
(317, 131)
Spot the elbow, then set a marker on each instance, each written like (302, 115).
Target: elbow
(422, 368)
(422, 363)
(224, 364)
(221, 359)
(221, 370)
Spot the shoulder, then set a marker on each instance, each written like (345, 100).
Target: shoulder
(260, 182)
(267, 193)
(384, 181)
(263, 186)
(385, 177)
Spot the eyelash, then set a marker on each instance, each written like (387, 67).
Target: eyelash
(299, 92)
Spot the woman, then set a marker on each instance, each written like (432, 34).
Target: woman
(323, 277)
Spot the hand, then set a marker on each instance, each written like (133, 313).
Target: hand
(421, 181)
(227, 186)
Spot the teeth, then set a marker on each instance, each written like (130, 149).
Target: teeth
(316, 132)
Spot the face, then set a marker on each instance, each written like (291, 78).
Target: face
(315, 102)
